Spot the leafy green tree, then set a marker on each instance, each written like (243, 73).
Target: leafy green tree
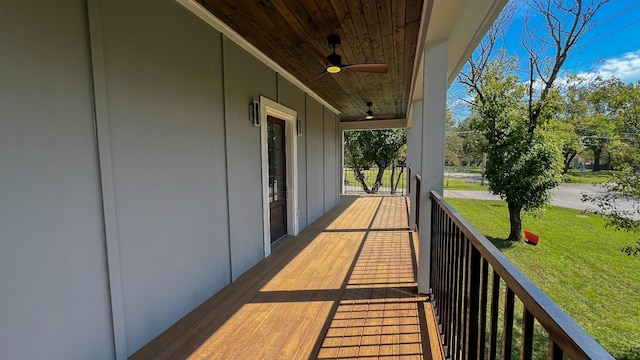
(570, 140)
(472, 143)
(373, 147)
(599, 133)
(625, 100)
(523, 164)
(453, 143)
(624, 185)
(574, 108)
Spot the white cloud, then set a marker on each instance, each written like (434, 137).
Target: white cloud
(625, 68)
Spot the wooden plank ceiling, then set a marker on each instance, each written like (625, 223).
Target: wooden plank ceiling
(371, 31)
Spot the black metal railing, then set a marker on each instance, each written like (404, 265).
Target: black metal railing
(469, 275)
(393, 180)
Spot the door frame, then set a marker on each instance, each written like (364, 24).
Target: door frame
(272, 108)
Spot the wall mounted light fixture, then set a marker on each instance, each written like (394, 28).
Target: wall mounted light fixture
(254, 111)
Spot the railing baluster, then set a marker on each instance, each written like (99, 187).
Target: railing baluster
(435, 254)
(450, 284)
(526, 349)
(483, 309)
(445, 224)
(507, 332)
(460, 261)
(453, 322)
(493, 323)
(554, 352)
(454, 299)
(473, 303)
(441, 238)
(442, 305)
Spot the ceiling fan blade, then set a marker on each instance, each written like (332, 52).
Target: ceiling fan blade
(371, 68)
(323, 73)
(312, 49)
(385, 117)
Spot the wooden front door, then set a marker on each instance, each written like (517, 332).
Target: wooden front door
(277, 177)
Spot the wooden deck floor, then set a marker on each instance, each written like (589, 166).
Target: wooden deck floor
(343, 288)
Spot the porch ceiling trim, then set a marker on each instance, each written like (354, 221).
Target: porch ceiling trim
(373, 124)
(217, 24)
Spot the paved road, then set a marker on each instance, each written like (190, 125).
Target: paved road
(566, 195)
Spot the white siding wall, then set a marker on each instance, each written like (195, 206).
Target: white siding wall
(245, 80)
(163, 73)
(315, 160)
(54, 301)
(185, 165)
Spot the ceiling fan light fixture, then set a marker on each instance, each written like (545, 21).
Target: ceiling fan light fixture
(333, 69)
(369, 113)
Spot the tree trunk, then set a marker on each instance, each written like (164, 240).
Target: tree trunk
(378, 183)
(568, 158)
(357, 172)
(596, 159)
(515, 221)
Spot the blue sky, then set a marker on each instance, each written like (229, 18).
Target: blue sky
(612, 48)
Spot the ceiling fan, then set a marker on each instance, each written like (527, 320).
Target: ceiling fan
(369, 115)
(333, 62)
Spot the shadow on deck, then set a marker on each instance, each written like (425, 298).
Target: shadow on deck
(343, 288)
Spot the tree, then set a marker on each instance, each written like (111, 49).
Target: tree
(625, 100)
(379, 147)
(453, 143)
(566, 123)
(523, 164)
(472, 143)
(571, 142)
(599, 134)
(624, 185)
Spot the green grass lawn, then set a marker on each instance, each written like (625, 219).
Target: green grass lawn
(451, 183)
(578, 264)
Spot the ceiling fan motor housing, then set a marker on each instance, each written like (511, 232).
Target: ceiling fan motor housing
(334, 41)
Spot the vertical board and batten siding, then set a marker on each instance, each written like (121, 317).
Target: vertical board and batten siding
(185, 163)
(329, 161)
(163, 74)
(54, 300)
(292, 97)
(245, 80)
(315, 160)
